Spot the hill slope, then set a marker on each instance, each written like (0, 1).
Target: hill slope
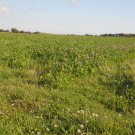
(55, 84)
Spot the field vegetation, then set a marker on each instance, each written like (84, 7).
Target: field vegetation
(65, 85)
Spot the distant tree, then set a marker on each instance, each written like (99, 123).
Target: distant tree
(14, 30)
(1, 30)
(133, 35)
(7, 31)
(121, 34)
(86, 34)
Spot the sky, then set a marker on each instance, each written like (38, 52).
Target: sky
(69, 16)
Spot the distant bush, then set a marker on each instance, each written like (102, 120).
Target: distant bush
(37, 32)
(7, 30)
(14, 30)
(21, 31)
(86, 34)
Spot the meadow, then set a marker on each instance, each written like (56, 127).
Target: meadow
(66, 85)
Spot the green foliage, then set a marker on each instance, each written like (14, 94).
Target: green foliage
(14, 30)
(121, 82)
(56, 84)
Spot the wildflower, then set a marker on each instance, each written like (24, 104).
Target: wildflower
(121, 97)
(68, 109)
(42, 88)
(79, 131)
(32, 132)
(94, 115)
(55, 126)
(78, 112)
(81, 112)
(1, 113)
(119, 114)
(47, 129)
(38, 133)
(81, 126)
(86, 121)
(37, 117)
(31, 111)
(13, 104)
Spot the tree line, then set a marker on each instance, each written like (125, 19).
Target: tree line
(114, 35)
(15, 30)
(118, 35)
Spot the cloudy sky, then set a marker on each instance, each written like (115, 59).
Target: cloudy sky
(69, 16)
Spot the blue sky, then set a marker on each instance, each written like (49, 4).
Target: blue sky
(69, 16)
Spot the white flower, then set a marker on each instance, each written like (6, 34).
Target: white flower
(81, 126)
(78, 112)
(68, 109)
(94, 115)
(79, 131)
(119, 114)
(1, 113)
(86, 121)
(81, 112)
(38, 133)
(47, 129)
(37, 117)
(55, 126)
(13, 104)
(32, 132)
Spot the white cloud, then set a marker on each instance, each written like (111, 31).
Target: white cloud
(74, 2)
(4, 8)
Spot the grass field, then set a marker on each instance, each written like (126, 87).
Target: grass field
(65, 85)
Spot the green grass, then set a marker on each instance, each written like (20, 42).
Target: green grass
(56, 84)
